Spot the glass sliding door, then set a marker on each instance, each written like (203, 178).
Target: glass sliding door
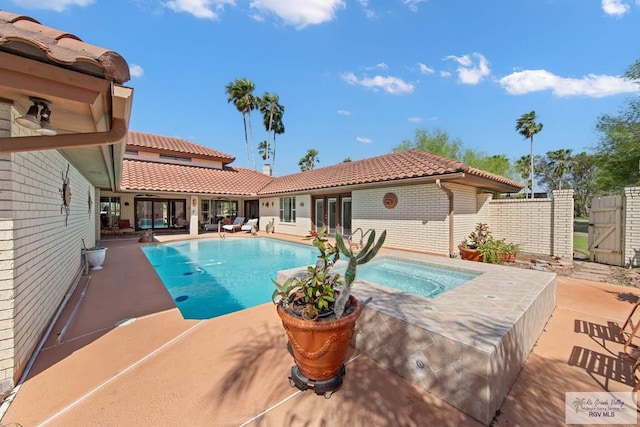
(332, 214)
(346, 216)
(319, 214)
(159, 214)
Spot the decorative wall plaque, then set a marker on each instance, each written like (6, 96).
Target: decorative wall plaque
(66, 195)
(390, 200)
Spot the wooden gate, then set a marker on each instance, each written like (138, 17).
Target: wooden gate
(605, 230)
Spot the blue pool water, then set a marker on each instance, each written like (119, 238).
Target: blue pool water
(416, 278)
(211, 277)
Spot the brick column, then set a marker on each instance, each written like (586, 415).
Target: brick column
(563, 224)
(631, 221)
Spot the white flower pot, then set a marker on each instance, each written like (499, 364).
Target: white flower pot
(95, 257)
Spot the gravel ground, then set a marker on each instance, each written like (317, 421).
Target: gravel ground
(580, 268)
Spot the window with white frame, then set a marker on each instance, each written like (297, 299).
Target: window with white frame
(287, 209)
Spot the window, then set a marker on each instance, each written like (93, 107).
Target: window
(182, 159)
(287, 209)
(109, 211)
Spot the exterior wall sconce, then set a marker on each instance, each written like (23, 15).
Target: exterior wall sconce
(30, 120)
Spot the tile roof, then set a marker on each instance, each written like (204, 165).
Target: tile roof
(389, 167)
(25, 36)
(174, 145)
(149, 176)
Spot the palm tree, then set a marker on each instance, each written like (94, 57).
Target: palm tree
(560, 163)
(523, 167)
(240, 92)
(308, 162)
(526, 126)
(272, 113)
(264, 151)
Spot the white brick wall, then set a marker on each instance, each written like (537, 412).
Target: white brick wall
(631, 228)
(41, 255)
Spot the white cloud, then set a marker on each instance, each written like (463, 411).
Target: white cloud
(380, 66)
(207, 9)
(392, 85)
(300, 13)
(591, 85)
(369, 13)
(55, 5)
(413, 4)
(471, 68)
(615, 7)
(425, 69)
(344, 112)
(414, 119)
(136, 70)
(364, 140)
(445, 74)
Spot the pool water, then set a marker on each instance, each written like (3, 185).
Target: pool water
(416, 278)
(211, 277)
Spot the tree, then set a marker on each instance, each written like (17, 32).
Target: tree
(264, 151)
(308, 162)
(240, 93)
(272, 112)
(527, 127)
(347, 160)
(618, 151)
(438, 142)
(553, 169)
(523, 167)
(581, 176)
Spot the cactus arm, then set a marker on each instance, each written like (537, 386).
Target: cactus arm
(370, 254)
(370, 241)
(340, 244)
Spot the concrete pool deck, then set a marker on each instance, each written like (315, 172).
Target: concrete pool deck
(230, 371)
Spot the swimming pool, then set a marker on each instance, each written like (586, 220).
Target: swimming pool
(211, 277)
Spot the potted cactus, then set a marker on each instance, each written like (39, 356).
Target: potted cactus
(319, 313)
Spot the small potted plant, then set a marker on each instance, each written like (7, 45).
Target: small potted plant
(319, 313)
(470, 247)
(508, 251)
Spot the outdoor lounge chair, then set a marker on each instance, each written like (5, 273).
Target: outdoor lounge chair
(235, 225)
(248, 226)
(629, 331)
(125, 227)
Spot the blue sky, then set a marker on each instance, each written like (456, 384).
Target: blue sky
(358, 77)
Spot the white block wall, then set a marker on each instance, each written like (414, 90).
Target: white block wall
(631, 228)
(40, 255)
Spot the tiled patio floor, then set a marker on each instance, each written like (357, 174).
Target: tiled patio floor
(232, 370)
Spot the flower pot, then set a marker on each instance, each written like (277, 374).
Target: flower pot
(508, 257)
(470, 254)
(320, 347)
(95, 257)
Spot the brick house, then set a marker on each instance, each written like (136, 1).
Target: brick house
(58, 193)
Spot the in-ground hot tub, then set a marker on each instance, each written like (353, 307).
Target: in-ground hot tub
(466, 345)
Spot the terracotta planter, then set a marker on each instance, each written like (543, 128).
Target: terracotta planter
(470, 254)
(320, 347)
(508, 257)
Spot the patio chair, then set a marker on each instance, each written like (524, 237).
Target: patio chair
(248, 226)
(630, 329)
(125, 227)
(235, 225)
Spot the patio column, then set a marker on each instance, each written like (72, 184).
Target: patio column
(193, 219)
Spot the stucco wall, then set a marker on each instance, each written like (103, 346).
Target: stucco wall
(270, 210)
(41, 255)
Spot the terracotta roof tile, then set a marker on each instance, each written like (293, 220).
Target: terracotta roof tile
(389, 167)
(149, 176)
(26, 36)
(175, 145)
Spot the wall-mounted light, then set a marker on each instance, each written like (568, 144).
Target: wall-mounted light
(126, 203)
(30, 120)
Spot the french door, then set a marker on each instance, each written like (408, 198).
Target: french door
(334, 212)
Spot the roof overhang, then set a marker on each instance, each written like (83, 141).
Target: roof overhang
(91, 115)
